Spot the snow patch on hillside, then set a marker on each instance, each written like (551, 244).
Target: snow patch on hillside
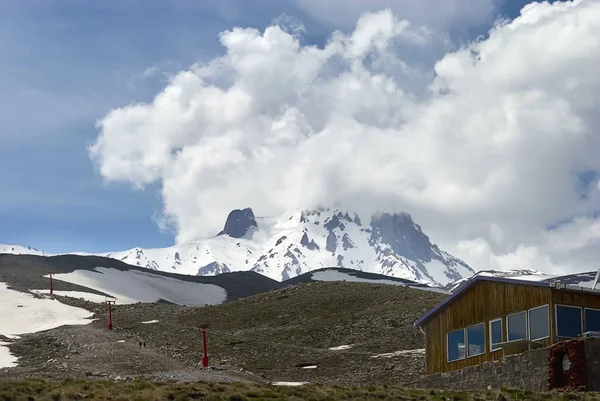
(418, 351)
(22, 313)
(341, 347)
(7, 360)
(132, 286)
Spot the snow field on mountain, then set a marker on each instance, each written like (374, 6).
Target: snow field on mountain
(285, 246)
(132, 286)
(286, 234)
(22, 313)
(436, 269)
(275, 248)
(19, 250)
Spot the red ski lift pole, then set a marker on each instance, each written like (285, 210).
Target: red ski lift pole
(205, 357)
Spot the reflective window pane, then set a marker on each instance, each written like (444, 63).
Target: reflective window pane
(538, 323)
(568, 321)
(476, 340)
(496, 333)
(456, 345)
(592, 320)
(517, 326)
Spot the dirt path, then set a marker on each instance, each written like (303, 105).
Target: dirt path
(94, 352)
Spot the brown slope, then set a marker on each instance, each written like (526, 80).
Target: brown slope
(271, 334)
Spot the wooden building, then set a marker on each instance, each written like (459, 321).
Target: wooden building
(489, 317)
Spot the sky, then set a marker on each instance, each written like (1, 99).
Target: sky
(130, 123)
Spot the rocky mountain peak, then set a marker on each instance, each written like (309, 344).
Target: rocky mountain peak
(402, 234)
(294, 243)
(238, 222)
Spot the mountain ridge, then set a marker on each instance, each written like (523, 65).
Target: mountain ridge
(285, 246)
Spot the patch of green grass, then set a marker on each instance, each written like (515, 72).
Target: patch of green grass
(34, 389)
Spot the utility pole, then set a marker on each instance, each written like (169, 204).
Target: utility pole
(205, 357)
(51, 290)
(109, 317)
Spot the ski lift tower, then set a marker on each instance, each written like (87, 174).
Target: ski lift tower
(110, 301)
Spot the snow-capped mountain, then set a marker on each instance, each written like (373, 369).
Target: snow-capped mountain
(286, 246)
(292, 244)
(20, 250)
(517, 274)
(577, 279)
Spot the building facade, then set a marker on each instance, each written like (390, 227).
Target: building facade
(488, 318)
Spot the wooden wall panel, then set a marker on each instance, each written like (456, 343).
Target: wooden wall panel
(485, 301)
(575, 298)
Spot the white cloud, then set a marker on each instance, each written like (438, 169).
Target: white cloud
(571, 247)
(485, 161)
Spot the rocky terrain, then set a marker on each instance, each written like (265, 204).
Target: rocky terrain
(351, 332)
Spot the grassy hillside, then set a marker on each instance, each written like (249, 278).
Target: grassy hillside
(137, 390)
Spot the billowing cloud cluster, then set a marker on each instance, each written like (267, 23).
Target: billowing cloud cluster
(494, 149)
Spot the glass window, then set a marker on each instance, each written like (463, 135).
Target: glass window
(476, 340)
(538, 323)
(456, 345)
(568, 321)
(495, 334)
(516, 326)
(592, 319)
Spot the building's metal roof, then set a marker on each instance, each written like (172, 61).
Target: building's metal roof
(474, 280)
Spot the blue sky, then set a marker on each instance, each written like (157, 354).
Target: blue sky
(64, 64)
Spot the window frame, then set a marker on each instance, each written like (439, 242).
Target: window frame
(508, 340)
(529, 323)
(467, 340)
(464, 330)
(492, 349)
(584, 320)
(556, 317)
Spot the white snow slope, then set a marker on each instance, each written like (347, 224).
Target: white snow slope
(20, 250)
(22, 313)
(291, 244)
(132, 286)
